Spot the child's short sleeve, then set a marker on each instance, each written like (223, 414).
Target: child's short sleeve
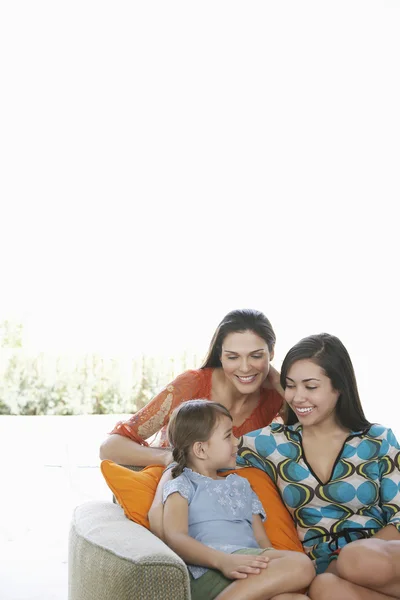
(256, 506)
(180, 484)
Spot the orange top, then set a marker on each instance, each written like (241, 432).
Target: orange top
(153, 418)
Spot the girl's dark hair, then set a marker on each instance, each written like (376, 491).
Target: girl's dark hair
(328, 352)
(237, 321)
(192, 421)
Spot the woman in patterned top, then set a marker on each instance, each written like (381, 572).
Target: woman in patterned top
(215, 523)
(237, 373)
(338, 474)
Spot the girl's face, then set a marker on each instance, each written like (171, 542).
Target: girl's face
(310, 394)
(245, 360)
(221, 447)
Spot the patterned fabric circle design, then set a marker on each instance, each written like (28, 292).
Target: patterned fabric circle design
(368, 449)
(290, 450)
(386, 466)
(315, 535)
(369, 470)
(307, 516)
(339, 492)
(265, 444)
(342, 470)
(391, 438)
(291, 471)
(390, 510)
(368, 493)
(335, 511)
(296, 494)
(389, 489)
(376, 430)
(349, 451)
(384, 448)
(372, 524)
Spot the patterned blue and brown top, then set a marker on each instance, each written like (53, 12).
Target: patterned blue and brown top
(361, 497)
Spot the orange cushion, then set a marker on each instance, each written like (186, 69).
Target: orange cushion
(134, 491)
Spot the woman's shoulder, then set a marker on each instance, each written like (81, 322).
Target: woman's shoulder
(194, 383)
(380, 433)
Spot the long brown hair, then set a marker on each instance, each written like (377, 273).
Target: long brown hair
(192, 421)
(238, 321)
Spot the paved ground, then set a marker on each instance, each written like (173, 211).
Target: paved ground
(48, 466)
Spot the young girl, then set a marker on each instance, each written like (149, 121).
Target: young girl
(215, 523)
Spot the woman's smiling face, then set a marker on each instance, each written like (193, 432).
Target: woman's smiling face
(310, 394)
(245, 360)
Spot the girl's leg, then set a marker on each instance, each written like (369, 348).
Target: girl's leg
(373, 564)
(286, 572)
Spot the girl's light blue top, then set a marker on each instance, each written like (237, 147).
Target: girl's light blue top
(220, 511)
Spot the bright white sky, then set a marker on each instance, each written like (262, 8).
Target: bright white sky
(165, 162)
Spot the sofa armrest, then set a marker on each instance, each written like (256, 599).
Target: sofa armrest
(111, 557)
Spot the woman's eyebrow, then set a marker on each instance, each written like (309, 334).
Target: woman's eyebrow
(309, 379)
(252, 352)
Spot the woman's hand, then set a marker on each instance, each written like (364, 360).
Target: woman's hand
(238, 566)
(167, 458)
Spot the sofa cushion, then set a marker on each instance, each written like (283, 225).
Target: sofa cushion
(111, 558)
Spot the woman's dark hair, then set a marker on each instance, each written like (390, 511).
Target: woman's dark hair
(238, 321)
(328, 352)
(193, 421)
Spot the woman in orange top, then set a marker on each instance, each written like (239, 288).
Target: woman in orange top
(236, 373)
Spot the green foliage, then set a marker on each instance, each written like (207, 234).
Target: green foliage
(11, 334)
(91, 384)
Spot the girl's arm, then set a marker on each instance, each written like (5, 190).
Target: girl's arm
(233, 566)
(127, 443)
(259, 533)
(156, 512)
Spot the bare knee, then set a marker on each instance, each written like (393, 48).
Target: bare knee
(301, 569)
(325, 587)
(366, 562)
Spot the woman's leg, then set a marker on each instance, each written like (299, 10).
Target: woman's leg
(365, 570)
(373, 563)
(331, 587)
(286, 572)
(289, 596)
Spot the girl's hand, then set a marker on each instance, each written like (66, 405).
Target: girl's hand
(238, 566)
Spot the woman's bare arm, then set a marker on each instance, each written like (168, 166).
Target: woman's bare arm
(124, 451)
(127, 444)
